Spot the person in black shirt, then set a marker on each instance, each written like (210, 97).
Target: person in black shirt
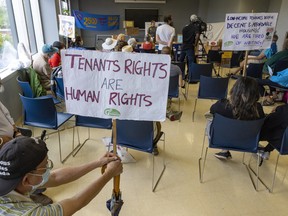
(242, 104)
(190, 33)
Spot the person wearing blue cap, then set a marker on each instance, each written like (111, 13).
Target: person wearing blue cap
(42, 67)
(25, 167)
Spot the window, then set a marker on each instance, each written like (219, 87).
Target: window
(6, 38)
(20, 21)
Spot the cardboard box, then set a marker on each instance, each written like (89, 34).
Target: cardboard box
(128, 24)
(132, 31)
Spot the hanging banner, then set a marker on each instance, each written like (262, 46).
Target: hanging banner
(67, 26)
(118, 85)
(96, 22)
(249, 31)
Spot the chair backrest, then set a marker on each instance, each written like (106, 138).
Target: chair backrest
(146, 51)
(173, 86)
(26, 88)
(39, 112)
(234, 134)
(235, 59)
(280, 65)
(213, 88)
(136, 135)
(284, 144)
(196, 70)
(60, 87)
(93, 122)
(181, 65)
(255, 70)
(214, 56)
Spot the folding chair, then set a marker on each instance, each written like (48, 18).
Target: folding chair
(58, 86)
(255, 70)
(194, 73)
(27, 91)
(41, 112)
(282, 150)
(228, 134)
(90, 122)
(138, 135)
(173, 91)
(211, 88)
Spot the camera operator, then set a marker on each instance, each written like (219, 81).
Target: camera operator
(190, 33)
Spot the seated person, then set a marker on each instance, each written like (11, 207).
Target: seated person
(133, 43)
(25, 167)
(242, 104)
(279, 80)
(42, 67)
(273, 129)
(174, 71)
(109, 45)
(147, 44)
(8, 131)
(271, 62)
(265, 54)
(77, 43)
(120, 42)
(8, 128)
(55, 60)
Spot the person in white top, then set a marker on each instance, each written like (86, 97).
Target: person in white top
(165, 33)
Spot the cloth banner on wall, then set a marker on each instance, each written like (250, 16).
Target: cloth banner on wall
(67, 26)
(117, 85)
(249, 31)
(96, 22)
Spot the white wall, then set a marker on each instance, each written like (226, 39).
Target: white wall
(282, 24)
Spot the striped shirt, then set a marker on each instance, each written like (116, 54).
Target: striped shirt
(15, 203)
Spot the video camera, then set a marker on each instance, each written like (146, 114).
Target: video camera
(202, 26)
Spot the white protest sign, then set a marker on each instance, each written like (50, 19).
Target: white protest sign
(249, 31)
(117, 85)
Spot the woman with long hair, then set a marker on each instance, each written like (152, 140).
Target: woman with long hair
(242, 104)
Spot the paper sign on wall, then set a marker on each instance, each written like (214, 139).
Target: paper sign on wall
(67, 26)
(249, 31)
(116, 85)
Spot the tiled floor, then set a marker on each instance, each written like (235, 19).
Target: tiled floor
(227, 189)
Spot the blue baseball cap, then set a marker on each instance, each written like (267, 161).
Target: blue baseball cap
(49, 49)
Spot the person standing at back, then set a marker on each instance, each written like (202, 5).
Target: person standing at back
(165, 33)
(151, 32)
(190, 33)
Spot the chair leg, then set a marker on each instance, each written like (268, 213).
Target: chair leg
(201, 169)
(249, 169)
(273, 181)
(256, 173)
(154, 186)
(186, 89)
(60, 148)
(194, 109)
(80, 145)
